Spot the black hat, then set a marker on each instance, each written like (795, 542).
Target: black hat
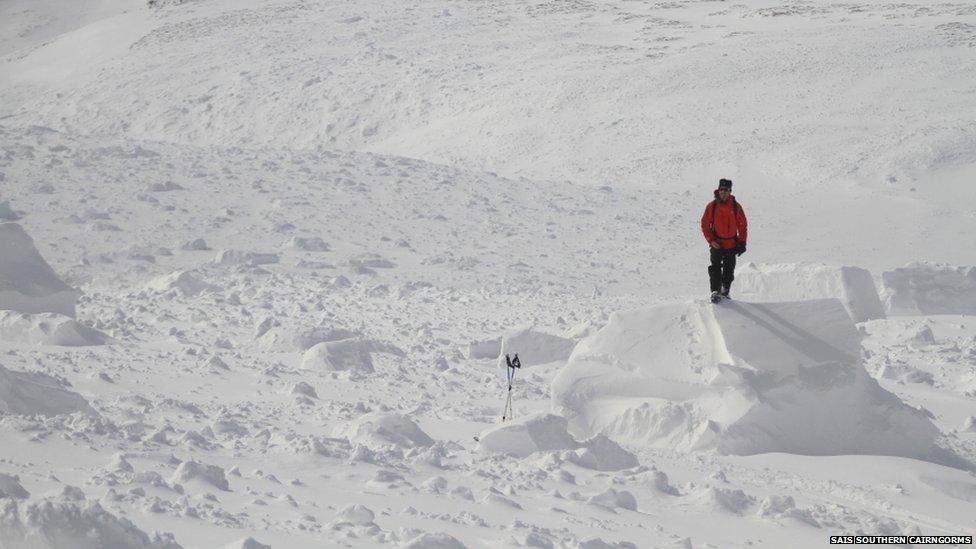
(725, 184)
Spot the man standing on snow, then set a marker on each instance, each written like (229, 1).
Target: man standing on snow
(725, 228)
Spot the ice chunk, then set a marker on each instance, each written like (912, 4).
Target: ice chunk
(27, 283)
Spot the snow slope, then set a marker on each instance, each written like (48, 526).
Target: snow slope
(395, 191)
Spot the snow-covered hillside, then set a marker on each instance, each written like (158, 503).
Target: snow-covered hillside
(261, 262)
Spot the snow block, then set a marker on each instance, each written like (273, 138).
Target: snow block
(384, 429)
(29, 393)
(927, 289)
(48, 329)
(27, 283)
(535, 347)
(853, 286)
(739, 378)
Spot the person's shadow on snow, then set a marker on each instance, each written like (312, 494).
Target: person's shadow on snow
(796, 337)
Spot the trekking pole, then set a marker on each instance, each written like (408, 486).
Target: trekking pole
(513, 364)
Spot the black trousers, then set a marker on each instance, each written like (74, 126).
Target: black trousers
(722, 270)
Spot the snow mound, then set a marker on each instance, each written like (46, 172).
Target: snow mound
(384, 429)
(246, 543)
(180, 281)
(927, 289)
(527, 435)
(434, 541)
(51, 524)
(291, 338)
(547, 433)
(535, 347)
(237, 257)
(854, 286)
(309, 244)
(24, 393)
(740, 378)
(614, 499)
(346, 354)
(27, 283)
(48, 329)
(359, 515)
(190, 471)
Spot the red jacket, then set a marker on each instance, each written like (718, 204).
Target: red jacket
(730, 226)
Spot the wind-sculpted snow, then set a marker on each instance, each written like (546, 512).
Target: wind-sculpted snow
(742, 378)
